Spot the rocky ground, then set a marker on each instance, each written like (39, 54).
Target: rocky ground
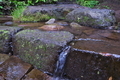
(96, 54)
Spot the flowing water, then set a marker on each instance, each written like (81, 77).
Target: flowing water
(60, 64)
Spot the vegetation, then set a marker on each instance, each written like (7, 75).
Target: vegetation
(88, 3)
(18, 15)
(19, 6)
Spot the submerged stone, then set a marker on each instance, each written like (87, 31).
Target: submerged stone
(40, 48)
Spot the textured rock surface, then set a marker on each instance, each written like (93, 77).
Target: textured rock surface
(14, 68)
(6, 34)
(100, 18)
(40, 48)
(3, 57)
(87, 65)
(56, 10)
(36, 75)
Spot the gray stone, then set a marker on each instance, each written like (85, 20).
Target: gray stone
(100, 18)
(8, 23)
(51, 21)
(6, 34)
(40, 48)
(58, 11)
(75, 25)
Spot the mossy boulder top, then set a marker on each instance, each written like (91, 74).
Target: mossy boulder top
(51, 37)
(99, 18)
(40, 48)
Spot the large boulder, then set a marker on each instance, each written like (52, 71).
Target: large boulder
(40, 48)
(93, 59)
(58, 11)
(6, 34)
(100, 18)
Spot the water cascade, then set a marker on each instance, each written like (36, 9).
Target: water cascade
(60, 63)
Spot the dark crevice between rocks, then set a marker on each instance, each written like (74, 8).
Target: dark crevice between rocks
(11, 41)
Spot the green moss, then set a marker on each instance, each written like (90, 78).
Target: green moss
(108, 20)
(4, 34)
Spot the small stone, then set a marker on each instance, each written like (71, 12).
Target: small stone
(75, 25)
(51, 21)
(9, 23)
(51, 27)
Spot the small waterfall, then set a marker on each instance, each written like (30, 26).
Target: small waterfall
(61, 62)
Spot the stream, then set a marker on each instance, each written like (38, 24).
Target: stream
(93, 52)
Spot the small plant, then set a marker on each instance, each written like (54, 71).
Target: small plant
(106, 7)
(88, 3)
(18, 13)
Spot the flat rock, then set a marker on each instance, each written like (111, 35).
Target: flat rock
(14, 68)
(97, 46)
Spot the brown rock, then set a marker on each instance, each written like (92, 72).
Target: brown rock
(51, 27)
(14, 68)
(3, 57)
(109, 35)
(89, 32)
(36, 74)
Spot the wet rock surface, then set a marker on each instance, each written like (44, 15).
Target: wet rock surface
(14, 68)
(40, 48)
(93, 54)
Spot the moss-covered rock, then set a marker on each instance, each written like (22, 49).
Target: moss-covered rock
(100, 18)
(40, 48)
(6, 34)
